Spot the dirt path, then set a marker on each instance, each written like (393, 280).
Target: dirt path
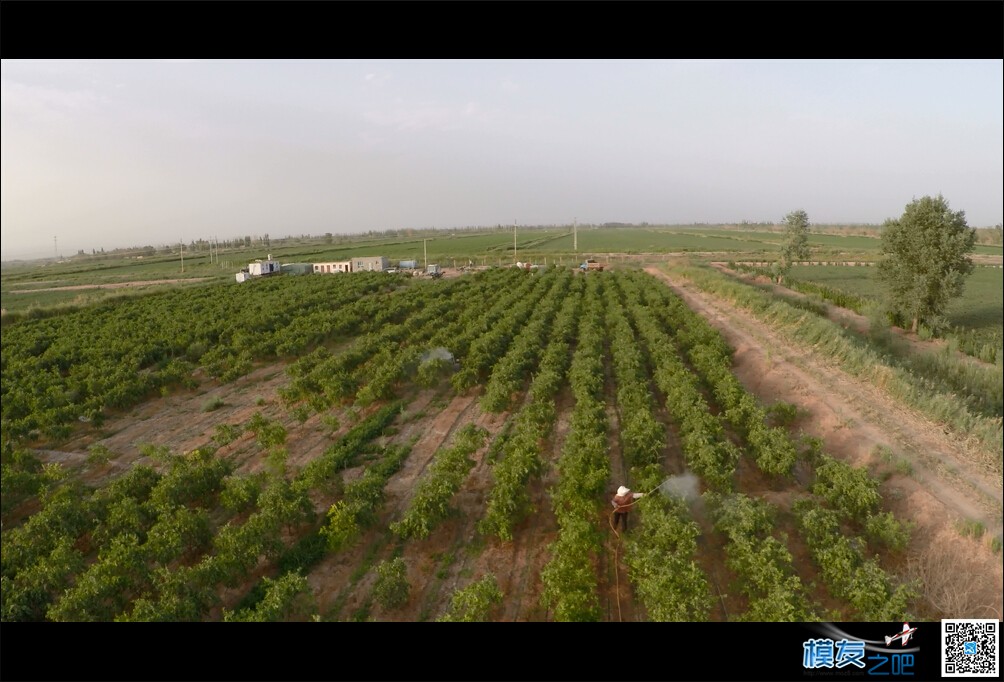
(110, 285)
(936, 488)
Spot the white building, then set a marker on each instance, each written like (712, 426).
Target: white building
(264, 267)
(364, 263)
(335, 266)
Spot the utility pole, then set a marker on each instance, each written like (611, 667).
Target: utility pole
(55, 248)
(514, 242)
(575, 235)
(182, 255)
(425, 251)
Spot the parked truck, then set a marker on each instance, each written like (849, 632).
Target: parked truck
(434, 271)
(591, 264)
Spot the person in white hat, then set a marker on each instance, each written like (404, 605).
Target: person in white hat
(622, 505)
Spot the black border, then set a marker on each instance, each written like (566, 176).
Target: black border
(289, 652)
(502, 29)
(543, 29)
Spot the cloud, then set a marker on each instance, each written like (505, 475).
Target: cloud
(377, 78)
(416, 118)
(470, 115)
(48, 104)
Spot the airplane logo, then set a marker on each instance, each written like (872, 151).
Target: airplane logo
(903, 636)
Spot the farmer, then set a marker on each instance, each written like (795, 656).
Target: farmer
(622, 505)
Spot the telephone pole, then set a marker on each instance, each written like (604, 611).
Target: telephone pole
(182, 255)
(575, 234)
(514, 242)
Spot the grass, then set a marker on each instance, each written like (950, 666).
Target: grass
(213, 404)
(970, 529)
(981, 306)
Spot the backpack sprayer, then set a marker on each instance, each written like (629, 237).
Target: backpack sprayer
(683, 486)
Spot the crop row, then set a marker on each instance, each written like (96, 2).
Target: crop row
(569, 577)
(509, 500)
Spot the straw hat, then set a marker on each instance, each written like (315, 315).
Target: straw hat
(623, 490)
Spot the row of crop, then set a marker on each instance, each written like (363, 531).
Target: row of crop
(509, 499)
(393, 361)
(450, 467)
(322, 378)
(140, 520)
(660, 555)
(847, 572)
(761, 561)
(510, 372)
(348, 516)
(711, 357)
(859, 359)
(852, 492)
(276, 598)
(505, 288)
(569, 577)
(642, 437)
(486, 350)
(706, 448)
(112, 356)
(187, 592)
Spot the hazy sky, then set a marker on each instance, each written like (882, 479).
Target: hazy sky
(120, 153)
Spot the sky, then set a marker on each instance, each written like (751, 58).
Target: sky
(108, 154)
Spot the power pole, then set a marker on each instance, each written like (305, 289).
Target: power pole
(182, 256)
(425, 251)
(514, 242)
(55, 248)
(575, 235)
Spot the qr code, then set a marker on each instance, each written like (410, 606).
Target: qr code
(970, 648)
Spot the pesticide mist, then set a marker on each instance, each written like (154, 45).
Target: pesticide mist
(684, 487)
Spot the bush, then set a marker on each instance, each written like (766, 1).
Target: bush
(473, 603)
(98, 454)
(782, 414)
(391, 587)
(213, 404)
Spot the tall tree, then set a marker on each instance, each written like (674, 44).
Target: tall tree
(926, 259)
(796, 243)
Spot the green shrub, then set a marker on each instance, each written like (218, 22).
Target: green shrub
(213, 404)
(473, 603)
(391, 587)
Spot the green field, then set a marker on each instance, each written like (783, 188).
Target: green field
(551, 246)
(979, 308)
